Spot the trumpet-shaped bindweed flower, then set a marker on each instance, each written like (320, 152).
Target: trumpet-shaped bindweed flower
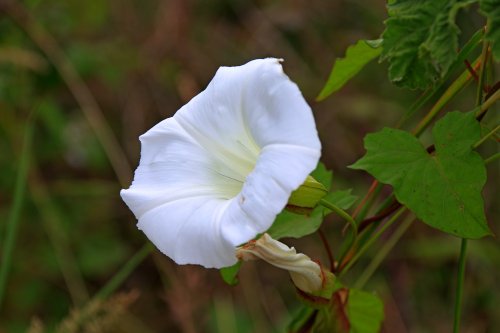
(217, 173)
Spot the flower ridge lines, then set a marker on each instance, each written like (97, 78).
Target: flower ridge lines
(216, 174)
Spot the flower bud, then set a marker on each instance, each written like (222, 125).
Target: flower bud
(308, 194)
(305, 273)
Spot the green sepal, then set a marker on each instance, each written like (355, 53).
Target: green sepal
(308, 194)
(321, 298)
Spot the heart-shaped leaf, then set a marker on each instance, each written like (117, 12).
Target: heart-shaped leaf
(442, 189)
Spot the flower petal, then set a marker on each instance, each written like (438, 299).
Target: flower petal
(185, 230)
(219, 171)
(275, 109)
(306, 274)
(278, 172)
(174, 166)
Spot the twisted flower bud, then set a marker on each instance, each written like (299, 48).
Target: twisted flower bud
(305, 273)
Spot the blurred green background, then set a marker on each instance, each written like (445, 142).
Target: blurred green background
(94, 75)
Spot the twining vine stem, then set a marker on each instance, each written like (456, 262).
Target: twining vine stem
(463, 246)
(383, 252)
(460, 286)
(372, 240)
(328, 249)
(486, 137)
(340, 212)
(492, 158)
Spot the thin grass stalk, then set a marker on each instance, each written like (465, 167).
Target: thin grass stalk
(15, 211)
(78, 88)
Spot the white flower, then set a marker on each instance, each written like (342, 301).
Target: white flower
(305, 273)
(217, 173)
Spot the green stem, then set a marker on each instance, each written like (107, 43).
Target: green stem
(492, 158)
(372, 240)
(486, 137)
(352, 223)
(328, 249)
(460, 286)
(452, 90)
(383, 252)
(488, 103)
(482, 73)
(124, 272)
(15, 212)
(365, 232)
(360, 213)
(340, 212)
(463, 246)
(368, 202)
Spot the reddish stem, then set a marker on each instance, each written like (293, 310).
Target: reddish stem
(328, 249)
(372, 188)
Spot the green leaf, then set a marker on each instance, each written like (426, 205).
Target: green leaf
(491, 9)
(443, 190)
(365, 312)
(323, 175)
(288, 224)
(300, 319)
(421, 40)
(230, 274)
(356, 57)
(350, 310)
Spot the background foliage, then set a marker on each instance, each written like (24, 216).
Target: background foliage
(75, 74)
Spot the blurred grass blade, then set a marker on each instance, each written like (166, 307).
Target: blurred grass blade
(79, 89)
(225, 314)
(124, 272)
(15, 211)
(53, 223)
